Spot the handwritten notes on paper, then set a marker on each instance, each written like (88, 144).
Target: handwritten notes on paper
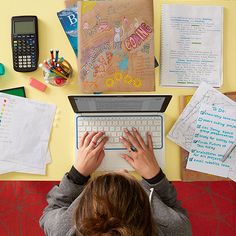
(25, 127)
(215, 132)
(189, 55)
(184, 128)
(206, 128)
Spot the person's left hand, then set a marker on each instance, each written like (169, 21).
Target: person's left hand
(90, 154)
(142, 157)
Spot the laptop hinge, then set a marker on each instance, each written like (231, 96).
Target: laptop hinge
(118, 113)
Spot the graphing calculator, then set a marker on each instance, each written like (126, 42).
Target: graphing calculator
(24, 38)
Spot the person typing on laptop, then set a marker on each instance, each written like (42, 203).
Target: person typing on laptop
(114, 203)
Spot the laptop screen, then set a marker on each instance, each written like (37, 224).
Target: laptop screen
(120, 103)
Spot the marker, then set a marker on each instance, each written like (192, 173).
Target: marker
(57, 53)
(61, 59)
(59, 73)
(64, 67)
(44, 68)
(231, 148)
(52, 57)
(54, 63)
(60, 69)
(46, 65)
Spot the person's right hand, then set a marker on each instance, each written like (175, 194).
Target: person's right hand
(142, 159)
(91, 153)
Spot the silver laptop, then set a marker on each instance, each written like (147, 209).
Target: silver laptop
(113, 113)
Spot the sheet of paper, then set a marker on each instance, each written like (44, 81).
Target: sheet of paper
(232, 170)
(25, 128)
(183, 130)
(191, 45)
(215, 132)
(7, 167)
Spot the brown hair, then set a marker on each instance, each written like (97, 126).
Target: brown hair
(114, 205)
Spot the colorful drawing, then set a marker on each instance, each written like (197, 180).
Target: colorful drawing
(119, 31)
(124, 64)
(117, 47)
(120, 78)
(140, 35)
(99, 26)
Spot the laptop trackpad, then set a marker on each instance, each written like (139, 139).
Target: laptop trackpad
(113, 160)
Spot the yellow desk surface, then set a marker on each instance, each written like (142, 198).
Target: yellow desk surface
(51, 35)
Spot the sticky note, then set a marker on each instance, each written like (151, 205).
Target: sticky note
(37, 84)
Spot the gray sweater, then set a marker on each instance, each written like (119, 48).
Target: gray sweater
(168, 214)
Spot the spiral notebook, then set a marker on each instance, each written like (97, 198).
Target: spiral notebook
(191, 45)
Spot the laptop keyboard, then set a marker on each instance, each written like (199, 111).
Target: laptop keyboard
(114, 126)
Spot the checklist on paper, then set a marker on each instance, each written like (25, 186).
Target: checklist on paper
(215, 132)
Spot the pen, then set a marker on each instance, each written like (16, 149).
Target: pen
(231, 148)
(64, 67)
(52, 57)
(60, 69)
(57, 53)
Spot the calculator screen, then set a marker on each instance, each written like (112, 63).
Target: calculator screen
(24, 27)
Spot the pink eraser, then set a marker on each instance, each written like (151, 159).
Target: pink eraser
(37, 84)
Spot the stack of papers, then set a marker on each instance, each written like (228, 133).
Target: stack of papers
(206, 129)
(25, 128)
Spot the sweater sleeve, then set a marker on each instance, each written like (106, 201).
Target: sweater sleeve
(170, 217)
(62, 200)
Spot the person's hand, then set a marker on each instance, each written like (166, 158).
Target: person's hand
(91, 153)
(142, 157)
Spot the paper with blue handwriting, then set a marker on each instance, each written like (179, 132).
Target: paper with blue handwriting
(215, 132)
(191, 45)
(183, 130)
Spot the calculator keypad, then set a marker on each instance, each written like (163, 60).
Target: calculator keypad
(24, 52)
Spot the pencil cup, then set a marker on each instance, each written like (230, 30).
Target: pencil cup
(57, 73)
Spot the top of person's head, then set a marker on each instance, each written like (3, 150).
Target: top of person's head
(114, 205)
